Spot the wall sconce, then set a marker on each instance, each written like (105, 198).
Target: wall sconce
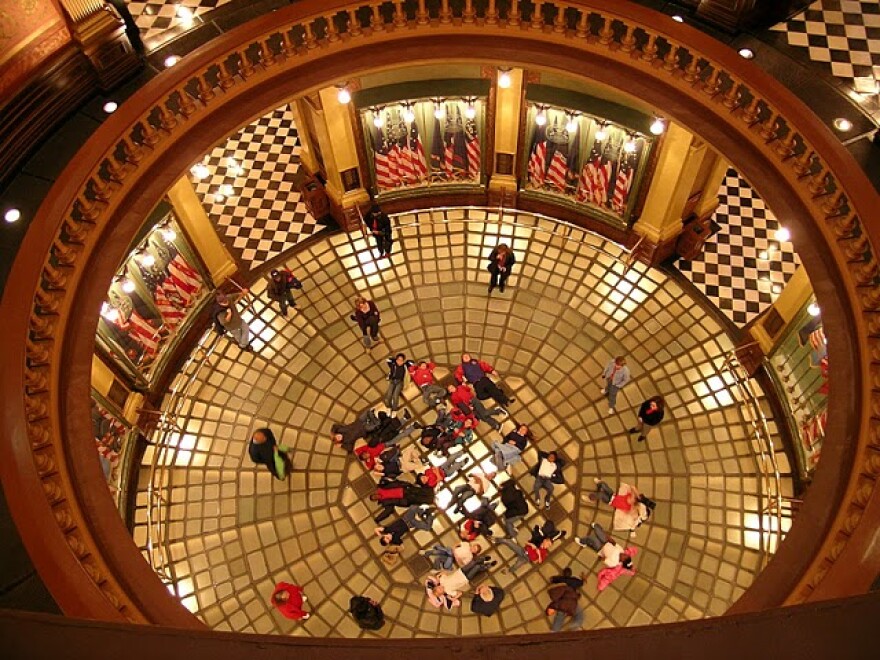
(541, 117)
(343, 95)
(504, 81)
(630, 145)
(601, 134)
(470, 111)
(439, 110)
(378, 122)
(658, 126)
(571, 125)
(408, 115)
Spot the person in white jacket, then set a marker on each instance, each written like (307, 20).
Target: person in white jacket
(616, 375)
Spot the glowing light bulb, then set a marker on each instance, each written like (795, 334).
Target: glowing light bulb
(200, 171)
(541, 118)
(127, 285)
(12, 215)
(658, 126)
(782, 235)
(171, 60)
(110, 107)
(470, 112)
(813, 309)
(377, 121)
(343, 95)
(148, 260)
(678, 19)
(439, 111)
(571, 125)
(842, 125)
(169, 234)
(601, 134)
(408, 115)
(746, 53)
(109, 313)
(504, 81)
(629, 146)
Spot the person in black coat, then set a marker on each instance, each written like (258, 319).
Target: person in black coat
(650, 414)
(501, 262)
(379, 225)
(515, 506)
(487, 600)
(265, 450)
(366, 314)
(367, 612)
(281, 283)
(547, 473)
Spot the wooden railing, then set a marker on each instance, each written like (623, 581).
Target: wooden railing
(795, 162)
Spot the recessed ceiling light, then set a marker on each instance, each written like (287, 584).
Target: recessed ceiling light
(110, 107)
(12, 215)
(843, 125)
(171, 60)
(678, 18)
(747, 53)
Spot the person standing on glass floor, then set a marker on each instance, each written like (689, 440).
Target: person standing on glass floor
(616, 375)
(366, 314)
(379, 224)
(501, 262)
(398, 366)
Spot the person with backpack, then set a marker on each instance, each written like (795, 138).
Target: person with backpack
(367, 612)
(265, 450)
(281, 283)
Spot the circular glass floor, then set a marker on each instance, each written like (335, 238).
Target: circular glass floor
(221, 532)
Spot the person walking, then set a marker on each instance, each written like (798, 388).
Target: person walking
(616, 375)
(229, 318)
(476, 372)
(564, 595)
(367, 316)
(367, 612)
(415, 517)
(422, 375)
(650, 414)
(379, 224)
(265, 450)
(398, 366)
(547, 473)
(501, 262)
(487, 600)
(281, 283)
(288, 599)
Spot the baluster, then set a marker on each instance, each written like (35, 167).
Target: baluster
(151, 135)
(468, 14)
(769, 126)
(206, 92)
(399, 15)
(713, 82)
(818, 183)
(628, 42)
(354, 23)
(804, 164)
(583, 25)
(267, 55)
(332, 32)
(731, 97)
(833, 204)
(785, 148)
(167, 120)
(491, 13)
(422, 15)
(751, 112)
(445, 12)
(514, 16)
(670, 60)
(187, 106)
(559, 24)
(377, 22)
(245, 68)
(133, 152)
(649, 51)
(88, 210)
(309, 37)
(606, 34)
(115, 172)
(692, 70)
(225, 78)
(538, 15)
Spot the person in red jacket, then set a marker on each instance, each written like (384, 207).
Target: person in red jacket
(463, 398)
(288, 599)
(422, 375)
(476, 372)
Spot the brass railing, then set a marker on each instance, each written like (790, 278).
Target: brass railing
(798, 156)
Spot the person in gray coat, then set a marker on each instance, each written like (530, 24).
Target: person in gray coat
(616, 375)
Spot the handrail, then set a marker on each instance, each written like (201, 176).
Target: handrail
(798, 166)
(767, 462)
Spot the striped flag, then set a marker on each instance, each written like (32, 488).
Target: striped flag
(557, 170)
(170, 313)
(599, 176)
(817, 340)
(182, 279)
(474, 155)
(415, 154)
(448, 158)
(384, 176)
(459, 148)
(622, 186)
(141, 331)
(537, 155)
(438, 152)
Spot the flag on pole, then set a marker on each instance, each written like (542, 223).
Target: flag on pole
(182, 280)
(622, 185)
(558, 164)
(573, 157)
(474, 155)
(438, 151)
(598, 176)
(459, 148)
(141, 331)
(415, 154)
(384, 176)
(170, 313)
(537, 154)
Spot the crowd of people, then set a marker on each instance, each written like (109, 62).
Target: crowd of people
(414, 480)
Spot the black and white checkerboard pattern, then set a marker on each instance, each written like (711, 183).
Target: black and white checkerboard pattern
(743, 267)
(842, 34)
(249, 192)
(157, 16)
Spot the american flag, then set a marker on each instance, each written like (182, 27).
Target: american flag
(598, 177)
(415, 154)
(182, 280)
(141, 331)
(622, 186)
(538, 153)
(817, 340)
(459, 148)
(171, 314)
(474, 155)
(438, 152)
(384, 176)
(448, 158)
(557, 170)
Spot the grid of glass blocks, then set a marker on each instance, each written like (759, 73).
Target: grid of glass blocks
(221, 532)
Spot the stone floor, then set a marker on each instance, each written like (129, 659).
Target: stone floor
(228, 531)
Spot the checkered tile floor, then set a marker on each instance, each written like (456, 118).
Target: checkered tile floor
(842, 34)
(743, 267)
(156, 17)
(249, 191)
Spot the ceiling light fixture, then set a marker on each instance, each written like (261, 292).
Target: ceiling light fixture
(470, 111)
(678, 18)
(782, 235)
(571, 125)
(148, 260)
(813, 309)
(12, 215)
(504, 81)
(171, 60)
(746, 53)
(630, 145)
(110, 107)
(541, 117)
(127, 285)
(343, 95)
(439, 110)
(658, 126)
(169, 234)
(378, 122)
(408, 115)
(843, 125)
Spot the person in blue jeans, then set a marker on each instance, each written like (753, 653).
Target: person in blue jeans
(616, 375)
